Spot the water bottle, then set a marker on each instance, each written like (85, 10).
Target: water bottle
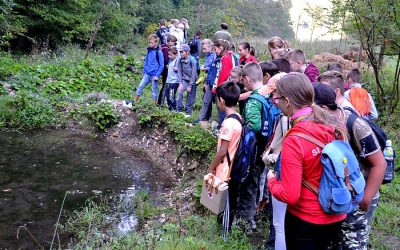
(388, 153)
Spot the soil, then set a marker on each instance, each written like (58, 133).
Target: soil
(155, 144)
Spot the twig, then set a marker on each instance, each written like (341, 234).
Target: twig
(58, 220)
(30, 235)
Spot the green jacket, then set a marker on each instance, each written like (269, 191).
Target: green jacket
(252, 113)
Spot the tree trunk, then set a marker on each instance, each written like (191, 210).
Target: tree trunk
(96, 29)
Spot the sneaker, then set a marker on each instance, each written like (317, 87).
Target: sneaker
(196, 121)
(127, 103)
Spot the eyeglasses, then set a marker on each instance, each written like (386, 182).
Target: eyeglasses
(276, 99)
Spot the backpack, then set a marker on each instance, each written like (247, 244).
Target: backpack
(246, 153)
(359, 98)
(269, 118)
(193, 45)
(164, 32)
(379, 133)
(342, 183)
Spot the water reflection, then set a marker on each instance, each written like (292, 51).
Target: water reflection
(37, 169)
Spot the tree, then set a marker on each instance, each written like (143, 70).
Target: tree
(376, 25)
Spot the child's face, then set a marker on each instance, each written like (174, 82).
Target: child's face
(153, 43)
(294, 65)
(266, 77)
(218, 50)
(234, 77)
(243, 51)
(206, 48)
(184, 54)
(171, 55)
(171, 43)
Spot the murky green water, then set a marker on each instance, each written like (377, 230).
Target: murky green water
(37, 169)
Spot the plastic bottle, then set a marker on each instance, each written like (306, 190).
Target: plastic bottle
(389, 155)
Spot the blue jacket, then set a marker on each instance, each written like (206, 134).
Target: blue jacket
(213, 70)
(152, 67)
(209, 59)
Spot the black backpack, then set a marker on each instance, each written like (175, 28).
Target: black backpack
(246, 153)
(193, 45)
(379, 133)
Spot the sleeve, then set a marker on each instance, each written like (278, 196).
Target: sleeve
(226, 132)
(198, 47)
(193, 77)
(253, 115)
(373, 115)
(161, 66)
(366, 141)
(180, 71)
(288, 188)
(226, 67)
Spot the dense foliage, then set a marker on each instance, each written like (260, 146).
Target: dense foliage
(39, 25)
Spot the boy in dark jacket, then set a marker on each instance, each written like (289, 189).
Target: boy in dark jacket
(187, 75)
(297, 60)
(153, 67)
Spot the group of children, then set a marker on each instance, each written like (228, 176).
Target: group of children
(290, 83)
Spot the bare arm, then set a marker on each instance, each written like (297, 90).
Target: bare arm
(375, 177)
(219, 156)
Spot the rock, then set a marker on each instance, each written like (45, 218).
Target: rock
(12, 93)
(7, 85)
(194, 165)
(92, 96)
(101, 96)
(116, 134)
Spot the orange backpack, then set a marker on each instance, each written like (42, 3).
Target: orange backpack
(359, 98)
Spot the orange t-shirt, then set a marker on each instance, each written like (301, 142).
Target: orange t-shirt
(231, 130)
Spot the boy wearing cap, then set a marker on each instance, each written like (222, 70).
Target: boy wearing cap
(357, 225)
(152, 69)
(187, 76)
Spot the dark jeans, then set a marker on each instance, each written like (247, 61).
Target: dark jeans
(221, 115)
(248, 193)
(161, 95)
(170, 93)
(301, 235)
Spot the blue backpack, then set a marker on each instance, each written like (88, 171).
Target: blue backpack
(246, 153)
(269, 119)
(342, 183)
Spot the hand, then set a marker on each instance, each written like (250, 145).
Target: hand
(175, 68)
(189, 89)
(270, 174)
(210, 171)
(181, 87)
(155, 78)
(364, 205)
(269, 159)
(203, 68)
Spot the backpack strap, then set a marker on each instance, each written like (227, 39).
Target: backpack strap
(349, 125)
(157, 56)
(317, 142)
(236, 117)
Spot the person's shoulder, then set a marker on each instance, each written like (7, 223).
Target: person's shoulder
(360, 125)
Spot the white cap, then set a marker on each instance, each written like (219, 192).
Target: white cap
(388, 143)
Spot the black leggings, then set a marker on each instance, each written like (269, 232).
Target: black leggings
(303, 235)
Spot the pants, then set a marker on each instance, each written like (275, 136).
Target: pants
(221, 115)
(279, 211)
(170, 94)
(146, 79)
(301, 235)
(190, 98)
(206, 108)
(248, 192)
(354, 231)
(161, 95)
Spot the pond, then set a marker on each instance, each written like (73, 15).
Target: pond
(38, 168)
